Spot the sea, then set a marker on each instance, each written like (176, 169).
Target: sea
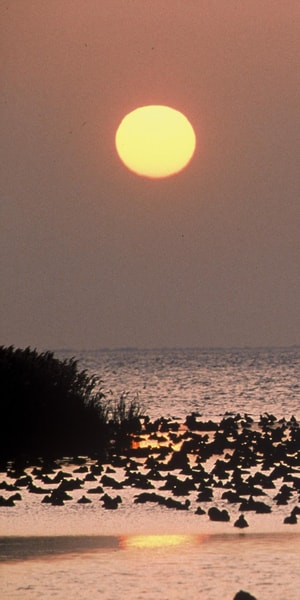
(145, 551)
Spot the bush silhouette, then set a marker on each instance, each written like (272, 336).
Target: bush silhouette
(49, 407)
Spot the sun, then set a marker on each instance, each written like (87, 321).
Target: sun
(155, 141)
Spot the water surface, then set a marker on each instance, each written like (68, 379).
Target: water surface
(146, 552)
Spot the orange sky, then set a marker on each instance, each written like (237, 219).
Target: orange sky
(92, 255)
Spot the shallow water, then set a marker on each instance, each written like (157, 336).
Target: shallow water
(143, 551)
(147, 568)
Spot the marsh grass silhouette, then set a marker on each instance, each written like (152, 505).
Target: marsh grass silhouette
(49, 407)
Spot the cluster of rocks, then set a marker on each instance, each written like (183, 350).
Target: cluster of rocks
(183, 465)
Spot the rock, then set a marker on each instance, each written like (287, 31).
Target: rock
(199, 511)
(205, 495)
(46, 499)
(149, 497)
(243, 596)
(296, 510)
(90, 477)
(111, 503)
(291, 520)
(16, 496)
(82, 469)
(84, 500)
(241, 522)
(218, 515)
(96, 490)
(111, 482)
(170, 503)
(6, 501)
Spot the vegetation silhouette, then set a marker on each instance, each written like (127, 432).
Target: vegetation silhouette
(49, 407)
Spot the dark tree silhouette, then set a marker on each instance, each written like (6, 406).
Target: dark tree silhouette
(49, 407)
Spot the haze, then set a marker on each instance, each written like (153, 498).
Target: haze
(92, 255)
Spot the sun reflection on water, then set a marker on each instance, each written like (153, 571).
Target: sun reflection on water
(158, 541)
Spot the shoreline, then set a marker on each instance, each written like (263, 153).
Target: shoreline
(19, 548)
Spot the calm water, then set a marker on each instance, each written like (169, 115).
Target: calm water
(146, 552)
(177, 382)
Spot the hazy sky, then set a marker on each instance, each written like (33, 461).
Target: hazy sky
(94, 256)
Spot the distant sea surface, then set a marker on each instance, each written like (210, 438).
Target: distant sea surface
(175, 382)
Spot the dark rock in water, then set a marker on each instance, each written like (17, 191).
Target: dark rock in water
(111, 482)
(170, 482)
(291, 520)
(205, 426)
(262, 508)
(70, 485)
(60, 476)
(46, 499)
(33, 489)
(138, 480)
(182, 488)
(90, 477)
(261, 479)
(96, 490)
(199, 511)
(284, 495)
(96, 469)
(16, 496)
(218, 515)
(111, 503)
(296, 510)
(178, 460)
(190, 421)
(243, 596)
(258, 507)
(109, 470)
(24, 481)
(206, 495)
(57, 501)
(58, 497)
(241, 522)
(82, 469)
(149, 497)
(231, 496)
(84, 500)
(171, 503)
(6, 501)
(9, 487)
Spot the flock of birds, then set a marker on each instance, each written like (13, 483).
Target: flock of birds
(205, 465)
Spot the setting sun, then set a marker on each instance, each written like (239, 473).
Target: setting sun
(155, 141)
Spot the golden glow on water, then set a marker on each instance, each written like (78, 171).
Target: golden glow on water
(146, 441)
(159, 541)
